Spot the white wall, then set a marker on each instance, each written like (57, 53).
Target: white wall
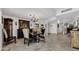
(32, 24)
(52, 28)
(15, 27)
(52, 25)
(15, 20)
(0, 30)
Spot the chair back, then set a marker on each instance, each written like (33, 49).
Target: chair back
(25, 33)
(5, 33)
(43, 31)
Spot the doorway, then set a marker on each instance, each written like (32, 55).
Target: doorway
(21, 26)
(60, 28)
(8, 26)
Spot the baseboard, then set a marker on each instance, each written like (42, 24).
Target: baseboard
(51, 33)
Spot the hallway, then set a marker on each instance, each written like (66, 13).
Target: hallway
(53, 43)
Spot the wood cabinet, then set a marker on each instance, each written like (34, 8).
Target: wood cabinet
(75, 39)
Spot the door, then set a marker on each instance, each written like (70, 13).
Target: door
(8, 25)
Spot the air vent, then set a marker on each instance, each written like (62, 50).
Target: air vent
(66, 10)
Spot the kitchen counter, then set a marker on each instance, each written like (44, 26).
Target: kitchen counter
(75, 39)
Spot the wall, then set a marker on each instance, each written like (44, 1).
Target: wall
(16, 20)
(32, 24)
(0, 30)
(52, 28)
(52, 25)
(15, 27)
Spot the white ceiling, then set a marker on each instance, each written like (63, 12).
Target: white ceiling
(69, 17)
(41, 13)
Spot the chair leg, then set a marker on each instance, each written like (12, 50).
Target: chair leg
(24, 40)
(28, 43)
(44, 40)
(15, 39)
(6, 42)
(38, 40)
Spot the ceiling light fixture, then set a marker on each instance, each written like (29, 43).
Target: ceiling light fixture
(33, 18)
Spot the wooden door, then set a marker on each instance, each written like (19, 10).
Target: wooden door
(8, 25)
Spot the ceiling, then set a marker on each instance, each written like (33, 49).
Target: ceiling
(69, 17)
(41, 13)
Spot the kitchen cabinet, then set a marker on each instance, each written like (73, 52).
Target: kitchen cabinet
(75, 39)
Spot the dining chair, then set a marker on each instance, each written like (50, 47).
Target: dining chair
(42, 35)
(7, 38)
(27, 37)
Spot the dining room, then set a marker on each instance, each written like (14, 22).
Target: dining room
(38, 29)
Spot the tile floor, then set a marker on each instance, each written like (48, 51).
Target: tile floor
(53, 43)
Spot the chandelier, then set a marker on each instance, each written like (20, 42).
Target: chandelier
(34, 18)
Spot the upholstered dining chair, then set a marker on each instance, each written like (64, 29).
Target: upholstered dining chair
(27, 36)
(42, 35)
(8, 39)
